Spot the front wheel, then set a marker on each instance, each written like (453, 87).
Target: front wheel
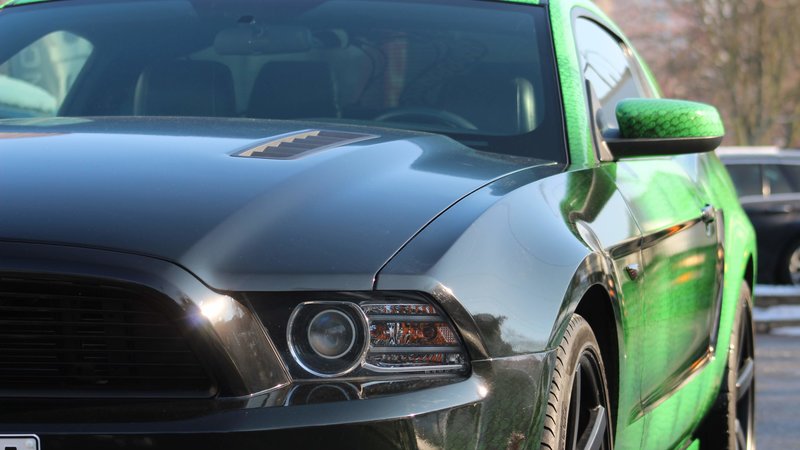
(790, 269)
(731, 423)
(578, 416)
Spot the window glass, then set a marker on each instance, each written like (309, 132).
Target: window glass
(36, 80)
(607, 68)
(792, 173)
(778, 182)
(746, 178)
(480, 72)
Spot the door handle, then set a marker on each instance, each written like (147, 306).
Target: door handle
(708, 214)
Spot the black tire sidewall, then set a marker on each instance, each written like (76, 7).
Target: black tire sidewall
(718, 430)
(784, 274)
(578, 339)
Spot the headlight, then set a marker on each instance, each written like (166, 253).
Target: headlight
(369, 338)
(411, 337)
(327, 339)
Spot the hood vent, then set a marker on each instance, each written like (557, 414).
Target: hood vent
(302, 143)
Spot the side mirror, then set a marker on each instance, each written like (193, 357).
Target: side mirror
(662, 127)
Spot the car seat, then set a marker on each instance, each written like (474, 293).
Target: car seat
(185, 88)
(293, 90)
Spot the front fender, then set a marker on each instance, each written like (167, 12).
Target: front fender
(511, 261)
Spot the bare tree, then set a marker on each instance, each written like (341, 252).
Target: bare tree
(741, 55)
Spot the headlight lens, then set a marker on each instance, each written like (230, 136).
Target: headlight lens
(327, 339)
(359, 338)
(331, 334)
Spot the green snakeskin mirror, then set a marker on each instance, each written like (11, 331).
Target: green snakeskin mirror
(652, 127)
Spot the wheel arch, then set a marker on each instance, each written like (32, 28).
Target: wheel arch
(597, 309)
(749, 272)
(592, 294)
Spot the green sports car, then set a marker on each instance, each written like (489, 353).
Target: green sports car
(361, 224)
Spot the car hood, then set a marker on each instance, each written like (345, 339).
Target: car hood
(173, 189)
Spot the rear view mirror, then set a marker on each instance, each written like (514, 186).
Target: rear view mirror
(656, 127)
(265, 40)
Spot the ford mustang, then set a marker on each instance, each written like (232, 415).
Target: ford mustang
(382, 224)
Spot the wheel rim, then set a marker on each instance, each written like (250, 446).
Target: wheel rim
(794, 266)
(587, 423)
(745, 387)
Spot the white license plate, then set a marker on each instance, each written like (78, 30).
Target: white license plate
(19, 442)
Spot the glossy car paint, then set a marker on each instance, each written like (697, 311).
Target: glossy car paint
(246, 224)
(671, 419)
(675, 416)
(664, 118)
(470, 236)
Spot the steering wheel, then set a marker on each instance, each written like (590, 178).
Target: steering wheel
(427, 115)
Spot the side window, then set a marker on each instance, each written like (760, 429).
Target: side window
(777, 180)
(792, 173)
(606, 64)
(746, 178)
(35, 81)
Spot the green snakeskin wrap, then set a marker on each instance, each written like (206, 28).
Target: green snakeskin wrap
(4, 4)
(579, 135)
(661, 118)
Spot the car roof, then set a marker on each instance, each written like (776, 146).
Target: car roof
(758, 155)
(9, 3)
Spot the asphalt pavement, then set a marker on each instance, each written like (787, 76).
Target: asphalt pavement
(778, 389)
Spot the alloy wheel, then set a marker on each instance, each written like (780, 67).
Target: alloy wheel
(794, 266)
(587, 423)
(745, 386)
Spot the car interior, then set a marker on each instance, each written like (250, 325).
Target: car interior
(473, 80)
(452, 78)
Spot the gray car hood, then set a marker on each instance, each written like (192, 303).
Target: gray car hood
(172, 189)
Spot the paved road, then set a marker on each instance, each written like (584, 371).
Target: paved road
(778, 390)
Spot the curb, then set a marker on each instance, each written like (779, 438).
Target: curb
(776, 306)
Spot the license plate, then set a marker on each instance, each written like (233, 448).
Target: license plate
(19, 442)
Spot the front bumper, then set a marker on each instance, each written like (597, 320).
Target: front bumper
(501, 405)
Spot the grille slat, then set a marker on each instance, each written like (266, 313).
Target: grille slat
(87, 310)
(53, 352)
(87, 336)
(110, 377)
(92, 321)
(73, 335)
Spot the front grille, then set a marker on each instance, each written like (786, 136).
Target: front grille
(81, 337)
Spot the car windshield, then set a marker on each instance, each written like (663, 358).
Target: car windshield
(480, 72)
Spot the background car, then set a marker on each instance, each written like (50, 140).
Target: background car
(768, 182)
(362, 224)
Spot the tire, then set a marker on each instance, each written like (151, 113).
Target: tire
(578, 416)
(731, 422)
(790, 265)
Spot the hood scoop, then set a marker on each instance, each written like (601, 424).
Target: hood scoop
(302, 143)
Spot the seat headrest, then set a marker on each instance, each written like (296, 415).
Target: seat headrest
(293, 90)
(185, 88)
(496, 101)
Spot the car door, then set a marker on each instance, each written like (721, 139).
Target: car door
(774, 210)
(680, 233)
